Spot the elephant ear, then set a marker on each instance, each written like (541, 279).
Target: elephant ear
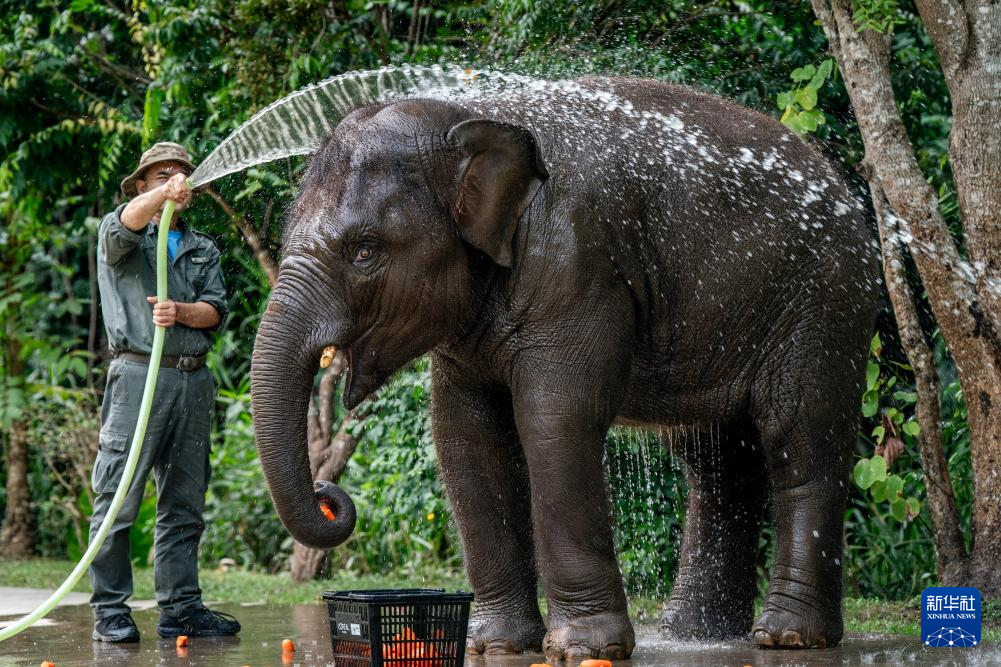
(500, 170)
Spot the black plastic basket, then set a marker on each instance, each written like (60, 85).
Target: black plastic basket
(420, 627)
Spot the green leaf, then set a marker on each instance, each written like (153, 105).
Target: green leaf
(876, 345)
(869, 471)
(879, 433)
(823, 72)
(151, 114)
(909, 397)
(878, 491)
(871, 375)
(784, 100)
(791, 120)
(912, 428)
(894, 487)
(803, 73)
(913, 507)
(806, 97)
(899, 510)
(870, 403)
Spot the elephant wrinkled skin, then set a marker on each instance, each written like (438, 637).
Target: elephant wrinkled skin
(657, 258)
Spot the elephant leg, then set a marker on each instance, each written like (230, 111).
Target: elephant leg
(808, 457)
(485, 477)
(564, 443)
(714, 591)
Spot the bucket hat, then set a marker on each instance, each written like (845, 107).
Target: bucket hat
(165, 151)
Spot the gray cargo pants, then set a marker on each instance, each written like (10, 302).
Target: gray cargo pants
(176, 449)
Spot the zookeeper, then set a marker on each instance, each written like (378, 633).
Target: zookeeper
(176, 447)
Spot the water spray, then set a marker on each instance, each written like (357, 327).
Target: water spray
(137, 443)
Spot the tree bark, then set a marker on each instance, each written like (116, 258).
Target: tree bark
(950, 551)
(963, 295)
(17, 538)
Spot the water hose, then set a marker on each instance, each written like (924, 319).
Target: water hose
(137, 443)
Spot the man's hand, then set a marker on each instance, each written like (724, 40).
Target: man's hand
(177, 189)
(164, 312)
(197, 315)
(153, 194)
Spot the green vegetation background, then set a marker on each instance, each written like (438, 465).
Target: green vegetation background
(87, 84)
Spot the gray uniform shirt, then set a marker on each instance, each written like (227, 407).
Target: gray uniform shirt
(126, 274)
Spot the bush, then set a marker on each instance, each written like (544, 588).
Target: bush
(240, 521)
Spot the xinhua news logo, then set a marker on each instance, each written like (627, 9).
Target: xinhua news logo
(950, 616)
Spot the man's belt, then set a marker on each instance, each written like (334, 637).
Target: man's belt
(180, 363)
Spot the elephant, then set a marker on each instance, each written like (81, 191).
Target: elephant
(611, 251)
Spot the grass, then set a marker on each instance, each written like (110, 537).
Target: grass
(867, 616)
(233, 586)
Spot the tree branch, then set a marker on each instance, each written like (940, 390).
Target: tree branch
(946, 23)
(264, 257)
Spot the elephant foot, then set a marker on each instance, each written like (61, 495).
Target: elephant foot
(699, 618)
(607, 635)
(786, 623)
(505, 634)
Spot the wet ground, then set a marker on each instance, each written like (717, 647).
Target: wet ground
(64, 639)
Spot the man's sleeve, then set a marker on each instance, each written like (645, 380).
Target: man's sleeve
(115, 240)
(214, 291)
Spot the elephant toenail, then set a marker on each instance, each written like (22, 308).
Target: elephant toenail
(614, 652)
(498, 647)
(791, 638)
(763, 638)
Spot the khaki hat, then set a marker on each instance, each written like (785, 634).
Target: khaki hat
(165, 151)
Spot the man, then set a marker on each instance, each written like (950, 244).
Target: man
(176, 446)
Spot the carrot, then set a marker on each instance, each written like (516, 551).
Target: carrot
(595, 663)
(288, 646)
(46, 663)
(327, 512)
(182, 641)
(540, 664)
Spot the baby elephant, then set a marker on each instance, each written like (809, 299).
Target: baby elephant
(573, 256)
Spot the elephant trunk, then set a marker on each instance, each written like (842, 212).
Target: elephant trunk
(286, 353)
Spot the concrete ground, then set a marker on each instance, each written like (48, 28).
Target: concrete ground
(65, 641)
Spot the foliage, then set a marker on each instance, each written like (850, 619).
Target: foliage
(240, 521)
(896, 431)
(799, 105)
(403, 517)
(876, 15)
(647, 494)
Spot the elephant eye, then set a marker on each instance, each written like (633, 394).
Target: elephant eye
(363, 253)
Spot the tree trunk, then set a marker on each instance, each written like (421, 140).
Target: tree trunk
(17, 538)
(964, 296)
(950, 551)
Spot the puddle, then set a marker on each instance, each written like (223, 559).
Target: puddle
(65, 641)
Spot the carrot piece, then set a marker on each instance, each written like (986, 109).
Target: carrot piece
(288, 645)
(595, 663)
(540, 664)
(327, 512)
(46, 663)
(182, 641)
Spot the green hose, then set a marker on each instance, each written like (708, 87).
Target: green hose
(137, 443)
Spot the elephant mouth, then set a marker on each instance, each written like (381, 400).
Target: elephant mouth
(363, 376)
